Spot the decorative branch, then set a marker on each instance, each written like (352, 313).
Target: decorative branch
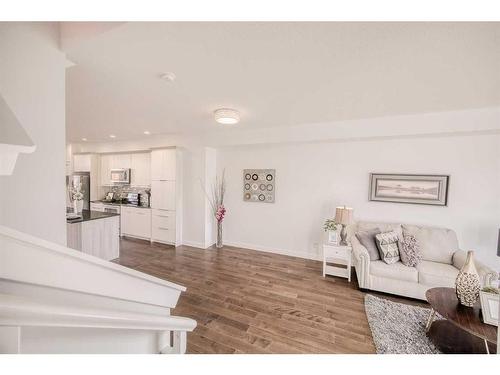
(216, 198)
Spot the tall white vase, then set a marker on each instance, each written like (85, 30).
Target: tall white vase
(78, 206)
(467, 284)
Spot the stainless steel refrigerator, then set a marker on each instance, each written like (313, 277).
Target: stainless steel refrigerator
(75, 179)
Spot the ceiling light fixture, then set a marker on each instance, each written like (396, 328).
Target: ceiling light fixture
(227, 116)
(84, 139)
(168, 76)
(112, 136)
(147, 132)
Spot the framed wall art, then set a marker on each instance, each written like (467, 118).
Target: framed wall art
(409, 188)
(259, 185)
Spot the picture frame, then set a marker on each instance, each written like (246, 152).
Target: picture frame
(333, 237)
(409, 188)
(490, 307)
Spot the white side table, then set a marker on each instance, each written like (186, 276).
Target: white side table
(339, 255)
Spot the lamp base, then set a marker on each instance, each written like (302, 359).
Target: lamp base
(343, 236)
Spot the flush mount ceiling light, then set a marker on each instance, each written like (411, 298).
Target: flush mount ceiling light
(227, 116)
(112, 136)
(84, 139)
(147, 132)
(168, 76)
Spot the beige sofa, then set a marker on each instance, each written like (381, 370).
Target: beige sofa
(441, 261)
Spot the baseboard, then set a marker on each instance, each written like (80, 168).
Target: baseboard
(273, 250)
(199, 245)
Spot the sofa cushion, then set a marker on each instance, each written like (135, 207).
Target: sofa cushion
(367, 239)
(396, 271)
(382, 227)
(436, 244)
(436, 274)
(388, 246)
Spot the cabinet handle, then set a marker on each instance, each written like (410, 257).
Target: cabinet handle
(162, 228)
(162, 215)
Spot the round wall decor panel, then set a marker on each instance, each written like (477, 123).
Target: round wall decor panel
(261, 183)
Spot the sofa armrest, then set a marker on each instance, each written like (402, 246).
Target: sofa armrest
(486, 274)
(361, 262)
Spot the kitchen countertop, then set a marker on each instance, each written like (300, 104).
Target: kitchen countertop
(119, 204)
(88, 215)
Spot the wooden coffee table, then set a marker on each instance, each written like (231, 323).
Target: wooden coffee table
(462, 331)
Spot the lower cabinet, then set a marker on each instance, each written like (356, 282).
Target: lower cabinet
(99, 237)
(163, 226)
(136, 222)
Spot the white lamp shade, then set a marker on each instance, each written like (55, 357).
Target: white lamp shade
(343, 215)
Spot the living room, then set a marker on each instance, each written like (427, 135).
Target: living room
(310, 187)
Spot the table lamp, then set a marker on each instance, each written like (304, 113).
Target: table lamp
(498, 245)
(343, 216)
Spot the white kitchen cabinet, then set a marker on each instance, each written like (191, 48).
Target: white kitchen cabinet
(105, 170)
(99, 237)
(163, 195)
(96, 207)
(163, 165)
(120, 161)
(163, 227)
(136, 222)
(81, 163)
(140, 165)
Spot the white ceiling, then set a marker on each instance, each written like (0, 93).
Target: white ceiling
(276, 74)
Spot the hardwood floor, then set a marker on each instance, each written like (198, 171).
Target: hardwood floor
(247, 301)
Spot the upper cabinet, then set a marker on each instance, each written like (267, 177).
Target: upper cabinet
(105, 170)
(121, 161)
(82, 163)
(163, 165)
(140, 165)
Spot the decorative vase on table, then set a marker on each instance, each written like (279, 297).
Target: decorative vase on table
(78, 206)
(467, 284)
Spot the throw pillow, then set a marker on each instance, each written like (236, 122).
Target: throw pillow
(409, 251)
(387, 244)
(367, 239)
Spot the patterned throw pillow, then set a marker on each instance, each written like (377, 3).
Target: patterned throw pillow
(387, 244)
(410, 251)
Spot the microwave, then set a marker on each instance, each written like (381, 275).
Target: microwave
(120, 176)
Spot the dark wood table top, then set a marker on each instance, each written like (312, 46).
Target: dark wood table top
(445, 302)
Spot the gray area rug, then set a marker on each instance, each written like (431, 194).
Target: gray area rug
(398, 328)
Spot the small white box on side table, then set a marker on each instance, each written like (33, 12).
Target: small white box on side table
(339, 255)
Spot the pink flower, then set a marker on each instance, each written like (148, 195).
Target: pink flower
(221, 211)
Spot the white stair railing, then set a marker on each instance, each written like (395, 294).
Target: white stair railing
(16, 312)
(43, 284)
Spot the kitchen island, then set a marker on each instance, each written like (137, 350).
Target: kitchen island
(95, 233)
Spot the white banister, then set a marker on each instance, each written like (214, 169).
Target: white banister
(32, 260)
(46, 288)
(19, 312)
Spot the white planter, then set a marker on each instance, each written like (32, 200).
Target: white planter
(333, 237)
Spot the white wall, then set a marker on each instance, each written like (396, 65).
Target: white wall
(313, 178)
(324, 165)
(32, 81)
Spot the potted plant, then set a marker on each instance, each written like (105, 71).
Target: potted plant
(330, 226)
(490, 301)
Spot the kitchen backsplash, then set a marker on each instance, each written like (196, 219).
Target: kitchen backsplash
(118, 190)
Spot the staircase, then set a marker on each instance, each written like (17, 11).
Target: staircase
(54, 299)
